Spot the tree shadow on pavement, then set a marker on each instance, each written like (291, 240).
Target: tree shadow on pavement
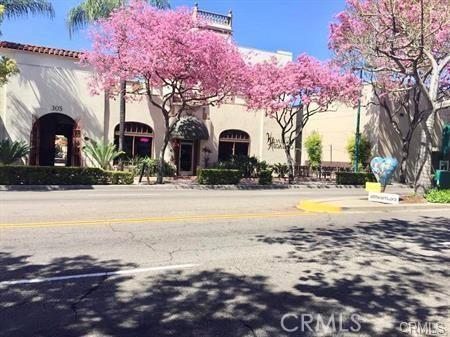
(384, 271)
(390, 271)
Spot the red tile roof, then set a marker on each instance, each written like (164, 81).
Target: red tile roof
(40, 49)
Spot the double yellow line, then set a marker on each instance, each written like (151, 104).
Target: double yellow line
(152, 219)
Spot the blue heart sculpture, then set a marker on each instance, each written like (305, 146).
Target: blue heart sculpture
(383, 168)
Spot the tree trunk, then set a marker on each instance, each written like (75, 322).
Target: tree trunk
(122, 113)
(160, 173)
(106, 116)
(423, 179)
(290, 163)
(403, 161)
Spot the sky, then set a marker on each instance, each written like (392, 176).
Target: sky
(298, 26)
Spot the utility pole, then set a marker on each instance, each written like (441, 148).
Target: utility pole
(357, 133)
(331, 154)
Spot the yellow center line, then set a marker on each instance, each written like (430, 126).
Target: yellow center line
(152, 219)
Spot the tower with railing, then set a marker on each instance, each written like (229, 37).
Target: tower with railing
(218, 22)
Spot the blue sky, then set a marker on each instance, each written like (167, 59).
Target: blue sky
(299, 26)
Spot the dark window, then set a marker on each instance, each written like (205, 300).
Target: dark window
(225, 151)
(137, 141)
(233, 142)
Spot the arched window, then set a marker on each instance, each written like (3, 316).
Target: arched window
(137, 141)
(233, 142)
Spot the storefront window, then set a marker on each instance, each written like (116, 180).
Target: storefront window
(233, 142)
(137, 141)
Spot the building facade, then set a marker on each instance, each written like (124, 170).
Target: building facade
(49, 105)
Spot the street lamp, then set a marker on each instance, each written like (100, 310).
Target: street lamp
(357, 133)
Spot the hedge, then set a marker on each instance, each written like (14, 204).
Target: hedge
(54, 175)
(219, 177)
(265, 177)
(352, 178)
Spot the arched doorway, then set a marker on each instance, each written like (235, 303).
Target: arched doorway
(55, 141)
(137, 141)
(233, 142)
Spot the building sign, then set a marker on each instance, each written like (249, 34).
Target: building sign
(274, 143)
(56, 108)
(385, 198)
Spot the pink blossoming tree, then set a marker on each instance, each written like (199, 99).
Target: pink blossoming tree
(403, 46)
(293, 93)
(180, 65)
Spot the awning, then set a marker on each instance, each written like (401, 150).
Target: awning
(190, 128)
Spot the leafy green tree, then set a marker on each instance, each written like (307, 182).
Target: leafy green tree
(364, 151)
(10, 151)
(8, 68)
(101, 154)
(86, 13)
(13, 9)
(313, 145)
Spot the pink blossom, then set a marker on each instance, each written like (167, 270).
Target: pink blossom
(301, 83)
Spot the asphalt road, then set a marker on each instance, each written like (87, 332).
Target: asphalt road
(146, 262)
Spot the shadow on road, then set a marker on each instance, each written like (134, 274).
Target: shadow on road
(387, 271)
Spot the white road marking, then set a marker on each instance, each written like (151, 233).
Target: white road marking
(102, 274)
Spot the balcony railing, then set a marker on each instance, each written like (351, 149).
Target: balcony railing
(215, 21)
(214, 18)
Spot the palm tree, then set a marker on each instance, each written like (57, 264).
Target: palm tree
(13, 9)
(89, 11)
(16, 8)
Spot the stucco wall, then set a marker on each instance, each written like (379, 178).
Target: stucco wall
(46, 83)
(337, 126)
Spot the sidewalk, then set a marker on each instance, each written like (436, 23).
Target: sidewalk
(190, 185)
(361, 204)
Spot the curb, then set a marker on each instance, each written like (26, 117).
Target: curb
(318, 207)
(171, 186)
(323, 206)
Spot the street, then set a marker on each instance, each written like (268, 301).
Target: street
(135, 261)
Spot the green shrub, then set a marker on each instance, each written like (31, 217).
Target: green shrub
(12, 151)
(54, 175)
(218, 177)
(151, 168)
(364, 151)
(100, 153)
(249, 166)
(352, 178)
(280, 169)
(438, 196)
(313, 145)
(265, 177)
(120, 177)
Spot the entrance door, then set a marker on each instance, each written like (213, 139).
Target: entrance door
(186, 162)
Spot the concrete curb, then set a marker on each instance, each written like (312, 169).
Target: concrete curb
(171, 186)
(325, 206)
(318, 207)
